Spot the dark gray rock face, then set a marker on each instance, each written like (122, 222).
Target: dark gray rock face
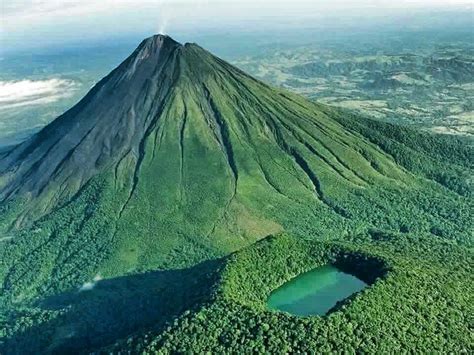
(109, 122)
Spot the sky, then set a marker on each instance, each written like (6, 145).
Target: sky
(30, 23)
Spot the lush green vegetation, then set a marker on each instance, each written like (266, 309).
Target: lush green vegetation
(205, 163)
(437, 157)
(419, 301)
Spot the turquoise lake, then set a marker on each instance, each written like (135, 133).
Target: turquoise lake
(315, 292)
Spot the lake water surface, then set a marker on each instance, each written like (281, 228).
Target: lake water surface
(315, 292)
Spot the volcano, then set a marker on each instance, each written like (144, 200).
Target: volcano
(193, 147)
(177, 157)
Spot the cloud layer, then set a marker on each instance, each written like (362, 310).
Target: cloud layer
(15, 94)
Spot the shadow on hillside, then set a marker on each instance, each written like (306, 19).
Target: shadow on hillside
(115, 308)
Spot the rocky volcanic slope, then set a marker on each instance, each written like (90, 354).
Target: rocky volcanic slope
(177, 157)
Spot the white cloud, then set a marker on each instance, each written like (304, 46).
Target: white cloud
(14, 94)
(87, 286)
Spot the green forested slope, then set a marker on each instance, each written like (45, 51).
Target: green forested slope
(177, 158)
(419, 301)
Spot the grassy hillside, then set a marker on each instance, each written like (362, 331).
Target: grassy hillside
(177, 159)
